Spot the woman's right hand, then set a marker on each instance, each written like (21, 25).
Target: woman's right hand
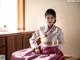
(37, 50)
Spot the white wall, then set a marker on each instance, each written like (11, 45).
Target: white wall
(68, 18)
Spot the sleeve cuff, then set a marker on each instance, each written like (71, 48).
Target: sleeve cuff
(34, 46)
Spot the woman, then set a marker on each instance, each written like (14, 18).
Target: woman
(51, 38)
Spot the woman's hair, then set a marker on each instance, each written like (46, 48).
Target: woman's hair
(51, 12)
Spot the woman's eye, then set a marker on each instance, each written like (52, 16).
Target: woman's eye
(51, 17)
(47, 17)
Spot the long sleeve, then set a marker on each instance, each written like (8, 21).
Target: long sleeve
(60, 39)
(33, 39)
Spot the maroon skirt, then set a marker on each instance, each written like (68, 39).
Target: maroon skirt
(47, 53)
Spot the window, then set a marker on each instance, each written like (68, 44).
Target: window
(8, 14)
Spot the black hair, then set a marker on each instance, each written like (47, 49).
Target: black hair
(51, 12)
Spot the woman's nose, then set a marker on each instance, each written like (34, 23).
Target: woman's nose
(49, 20)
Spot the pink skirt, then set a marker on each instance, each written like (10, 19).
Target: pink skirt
(47, 53)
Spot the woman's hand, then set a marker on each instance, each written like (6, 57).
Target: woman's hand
(37, 50)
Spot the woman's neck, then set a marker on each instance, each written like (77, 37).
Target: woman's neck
(49, 26)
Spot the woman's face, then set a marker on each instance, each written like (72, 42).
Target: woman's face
(50, 19)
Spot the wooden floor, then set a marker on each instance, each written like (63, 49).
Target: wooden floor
(72, 58)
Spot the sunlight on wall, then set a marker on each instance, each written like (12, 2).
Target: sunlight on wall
(34, 16)
(8, 14)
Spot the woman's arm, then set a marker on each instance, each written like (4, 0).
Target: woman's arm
(60, 39)
(33, 39)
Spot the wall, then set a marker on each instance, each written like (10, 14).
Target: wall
(68, 18)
